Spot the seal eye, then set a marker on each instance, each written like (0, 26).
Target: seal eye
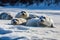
(44, 17)
(23, 12)
(16, 20)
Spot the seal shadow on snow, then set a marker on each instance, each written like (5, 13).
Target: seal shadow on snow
(24, 27)
(19, 27)
(40, 27)
(2, 31)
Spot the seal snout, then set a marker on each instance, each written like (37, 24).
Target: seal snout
(42, 20)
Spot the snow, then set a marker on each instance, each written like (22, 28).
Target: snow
(21, 32)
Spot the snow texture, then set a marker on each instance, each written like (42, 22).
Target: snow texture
(21, 32)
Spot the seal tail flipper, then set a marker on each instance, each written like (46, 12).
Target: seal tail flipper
(52, 26)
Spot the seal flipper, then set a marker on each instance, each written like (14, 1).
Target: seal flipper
(52, 26)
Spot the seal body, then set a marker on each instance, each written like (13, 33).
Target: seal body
(43, 21)
(26, 15)
(32, 22)
(22, 14)
(5, 16)
(18, 21)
